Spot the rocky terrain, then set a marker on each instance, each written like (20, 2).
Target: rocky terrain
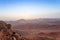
(7, 32)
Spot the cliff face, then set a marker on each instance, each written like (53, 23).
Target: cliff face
(6, 32)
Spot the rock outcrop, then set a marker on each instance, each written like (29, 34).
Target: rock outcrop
(6, 32)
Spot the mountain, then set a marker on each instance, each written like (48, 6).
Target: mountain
(39, 23)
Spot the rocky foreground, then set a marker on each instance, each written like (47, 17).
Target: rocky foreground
(7, 33)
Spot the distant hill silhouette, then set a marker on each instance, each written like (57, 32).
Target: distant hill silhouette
(41, 23)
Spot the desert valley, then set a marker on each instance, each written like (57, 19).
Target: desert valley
(29, 19)
(36, 29)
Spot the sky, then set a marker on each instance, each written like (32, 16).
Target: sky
(29, 9)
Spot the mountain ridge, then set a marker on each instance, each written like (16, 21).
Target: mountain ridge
(35, 23)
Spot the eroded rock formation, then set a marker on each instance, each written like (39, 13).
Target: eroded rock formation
(6, 32)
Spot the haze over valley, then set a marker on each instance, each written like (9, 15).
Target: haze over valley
(29, 19)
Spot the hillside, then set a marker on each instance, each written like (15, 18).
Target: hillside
(8, 33)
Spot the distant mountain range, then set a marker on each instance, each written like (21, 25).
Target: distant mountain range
(40, 23)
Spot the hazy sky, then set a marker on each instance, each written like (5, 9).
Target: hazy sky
(29, 9)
